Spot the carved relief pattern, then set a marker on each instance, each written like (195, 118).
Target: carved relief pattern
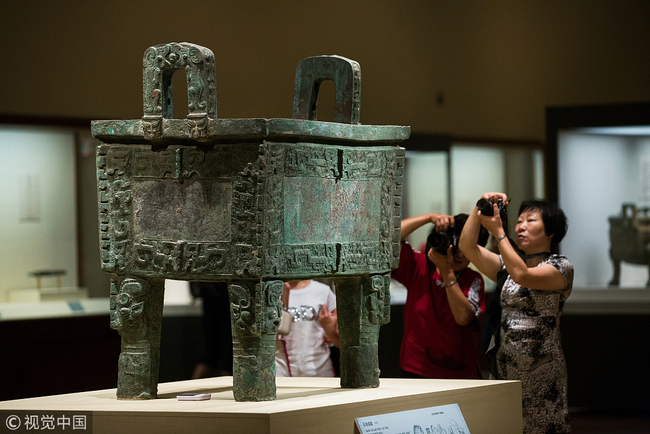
(161, 164)
(205, 259)
(275, 158)
(248, 210)
(198, 126)
(387, 191)
(391, 205)
(130, 307)
(311, 259)
(180, 258)
(159, 63)
(212, 164)
(196, 89)
(119, 166)
(362, 257)
(272, 305)
(397, 182)
(365, 163)
(319, 161)
(377, 299)
(158, 256)
(273, 262)
(115, 197)
(152, 129)
(152, 82)
(256, 307)
(274, 197)
(107, 260)
(247, 263)
(125, 306)
(243, 309)
(199, 65)
(386, 221)
(180, 162)
(305, 160)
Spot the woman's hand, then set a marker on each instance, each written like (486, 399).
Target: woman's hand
(442, 222)
(461, 308)
(495, 196)
(443, 263)
(329, 322)
(486, 261)
(493, 223)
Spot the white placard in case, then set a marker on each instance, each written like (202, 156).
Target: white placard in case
(433, 420)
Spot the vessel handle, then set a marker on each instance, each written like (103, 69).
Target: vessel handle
(159, 63)
(346, 75)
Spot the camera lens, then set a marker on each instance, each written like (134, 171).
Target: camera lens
(485, 206)
(439, 241)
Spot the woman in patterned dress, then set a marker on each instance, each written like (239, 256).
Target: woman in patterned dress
(532, 299)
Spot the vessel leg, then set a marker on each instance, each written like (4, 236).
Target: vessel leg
(363, 305)
(136, 313)
(255, 311)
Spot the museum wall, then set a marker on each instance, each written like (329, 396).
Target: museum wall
(467, 68)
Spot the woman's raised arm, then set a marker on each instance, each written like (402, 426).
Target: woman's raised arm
(441, 221)
(486, 261)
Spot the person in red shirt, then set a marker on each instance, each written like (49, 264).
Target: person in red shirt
(444, 305)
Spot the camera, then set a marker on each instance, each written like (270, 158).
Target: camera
(486, 208)
(440, 242)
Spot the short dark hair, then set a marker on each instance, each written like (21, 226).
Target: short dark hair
(555, 222)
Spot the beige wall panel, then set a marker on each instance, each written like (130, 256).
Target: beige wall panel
(497, 64)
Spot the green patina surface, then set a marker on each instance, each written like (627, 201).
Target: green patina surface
(250, 202)
(319, 209)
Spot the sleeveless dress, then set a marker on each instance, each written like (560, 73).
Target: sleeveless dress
(531, 350)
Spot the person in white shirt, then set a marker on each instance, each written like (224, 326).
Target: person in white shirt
(310, 309)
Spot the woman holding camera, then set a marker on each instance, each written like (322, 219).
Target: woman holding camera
(444, 304)
(532, 299)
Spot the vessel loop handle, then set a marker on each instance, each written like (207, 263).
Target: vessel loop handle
(158, 66)
(346, 75)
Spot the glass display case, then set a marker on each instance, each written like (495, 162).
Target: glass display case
(38, 211)
(599, 173)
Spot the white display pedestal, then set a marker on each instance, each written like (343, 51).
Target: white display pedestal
(303, 405)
